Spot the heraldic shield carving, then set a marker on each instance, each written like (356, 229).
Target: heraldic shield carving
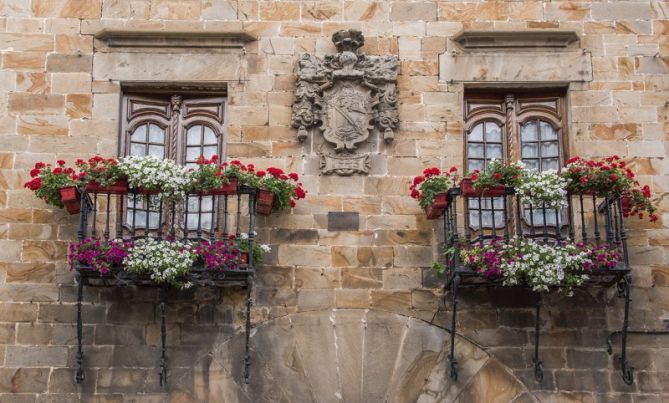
(347, 97)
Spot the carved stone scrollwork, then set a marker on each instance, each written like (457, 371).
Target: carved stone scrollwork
(346, 97)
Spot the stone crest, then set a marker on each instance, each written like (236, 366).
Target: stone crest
(346, 97)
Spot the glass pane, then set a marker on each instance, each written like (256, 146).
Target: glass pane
(475, 164)
(549, 163)
(206, 222)
(474, 218)
(473, 203)
(137, 149)
(549, 149)
(493, 132)
(209, 151)
(194, 135)
(209, 136)
(192, 221)
(499, 219)
(498, 203)
(547, 131)
(139, 134)
(192, 153)
(153, 220)
(531, 164)
(487, 219)
(476, 134)
(158, 151)
(528, 132)
(494, 151)
(193, 203)
(207, 203)
(475, 150)
(156, 134)
(530, 150)
(140, 218)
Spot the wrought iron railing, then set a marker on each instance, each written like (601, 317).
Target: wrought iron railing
(472, 221)
(134, 216)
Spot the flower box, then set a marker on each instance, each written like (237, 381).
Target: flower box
(229, 188)
(468, 190)
(265, 202)
(71, 198)
(148, 191)
(118, 187)
(436, 209)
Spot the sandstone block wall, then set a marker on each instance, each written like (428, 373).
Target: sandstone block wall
(59, 99)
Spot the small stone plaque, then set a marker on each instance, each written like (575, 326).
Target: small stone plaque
(343, 221)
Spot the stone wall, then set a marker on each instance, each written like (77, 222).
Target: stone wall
(60, 100)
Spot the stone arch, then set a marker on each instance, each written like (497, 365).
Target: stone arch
(352, 355)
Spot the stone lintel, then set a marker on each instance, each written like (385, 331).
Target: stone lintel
(513, 67)
(143, 40)
(535, 38)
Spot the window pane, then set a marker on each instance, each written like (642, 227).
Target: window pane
(205, 223)
(476, 134)
(158, 151)
(192, 221)
(549, 149)
(209, 136)
(137, 149)
(153, 220)
(528, 132)
(494, 151)
(156, 134)
(192, 153)
(192, 203)
(547, 131)
(531, 164)
(530, 150)
(549, 163)
(475, 164)
(475, 150)
(210, 151)
(194, 136)
(493, 132)
(207, 203)
(139, 135)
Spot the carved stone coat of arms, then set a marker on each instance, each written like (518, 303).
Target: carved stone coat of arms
(347, 97)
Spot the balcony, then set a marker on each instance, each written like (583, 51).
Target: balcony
(498, 220)
(132, 216)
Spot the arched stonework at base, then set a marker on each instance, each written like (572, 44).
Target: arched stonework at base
(352, 356)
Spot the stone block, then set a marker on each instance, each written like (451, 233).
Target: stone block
(303, 255)
(413, 11)
(354, 299)
(388, 222)
(21, 42)
(393, 301)
(36, 356)
(315, 299)
(67, 83)
(61, 313)
(284, 11)
(23, 60)
(24, 380)
(36, 103)
(623, 10)
(65, 63)
(413, 256)
(343, 221)
(350, 256)
(26, 292)
(36, 83)
(66, 8)
(316, 278)
(10, 251)
(274, 276)
(78, 106)
(38, 251)
(7, 333)
(402, 279)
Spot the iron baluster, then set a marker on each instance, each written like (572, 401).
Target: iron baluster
(492, 205)
(94, 231)
(584, 232)
(519, 213)
(214, 218)
(160, 219)
(558, 234)
(506, 219)
(225, 217)
(594, 215)
(119, 216)
(79, 373)
(543, 217)
(163, 338)
(538, 364)
(106, 232)
(185, 237)
(453, 373)
(249, 284)
(570, 213)
(133, 230)
(199, 217)
(480, 214)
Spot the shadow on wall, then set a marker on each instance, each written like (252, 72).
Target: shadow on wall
(350, 356)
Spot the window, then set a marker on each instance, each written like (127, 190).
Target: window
(176, 126)
(510, 126)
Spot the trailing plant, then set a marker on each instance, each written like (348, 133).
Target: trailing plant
(208, 175)
(543, 189)
(259, 249)
(166, 261)
(432, 182)
(98, 254)
(606, 177)
(286, 187)
(150, 172)
(47, 180)
(245, 174)
(217, 255)
(103, 171)
(497, 172)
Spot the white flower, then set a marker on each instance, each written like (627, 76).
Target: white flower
(265, 248)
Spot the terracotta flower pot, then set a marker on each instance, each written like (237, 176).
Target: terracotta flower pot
(119, 187)
(265, 202)
(243, 258)
(468, 190)
(71, 198)
(229, 188)
(436, 209)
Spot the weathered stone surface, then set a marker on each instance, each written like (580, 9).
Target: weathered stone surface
(562, 66)
(343, 221)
